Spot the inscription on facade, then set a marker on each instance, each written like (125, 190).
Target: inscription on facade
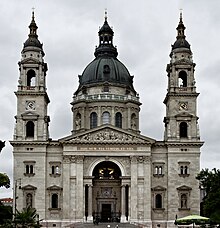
(101, 148)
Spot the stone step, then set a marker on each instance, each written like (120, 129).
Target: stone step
(103, 225)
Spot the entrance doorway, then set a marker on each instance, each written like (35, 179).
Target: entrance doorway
(106, 191)
(106, 213)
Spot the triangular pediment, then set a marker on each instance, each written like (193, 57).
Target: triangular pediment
(29, 187)
(29, 115)
(30, 61)
(183, 62)
(184, 114)
(55, 188)
(184, 188)
(107, 134)
(158, 188)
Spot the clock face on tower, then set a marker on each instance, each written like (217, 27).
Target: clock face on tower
(183, 106)
(30, 105)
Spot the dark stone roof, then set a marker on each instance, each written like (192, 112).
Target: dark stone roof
(106, 69)
(181, 43)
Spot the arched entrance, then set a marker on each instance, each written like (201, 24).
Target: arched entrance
(107, 192)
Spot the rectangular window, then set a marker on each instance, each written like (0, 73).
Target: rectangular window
(158, 169)
(29, 168)
(184, 168)
(55, 168)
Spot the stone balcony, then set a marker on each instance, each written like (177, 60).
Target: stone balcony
(105, 97)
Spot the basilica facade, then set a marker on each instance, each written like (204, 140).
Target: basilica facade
(105, 169)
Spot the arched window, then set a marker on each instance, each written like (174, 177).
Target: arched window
(31, 169)
(118, 120)
(183, 130)
(181, 170)
(156, 170)
(183, 201)
(57, 170)
(160, 170)
(186, 170)
(158, 201)
(31, 77)
(54, 201)
(182, 79)
(30, 129)
(105, 118)
(29, 200)
(52, 169)
(106, 69)
(93, 120)
(27, 171)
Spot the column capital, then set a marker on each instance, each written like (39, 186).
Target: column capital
(134, 159)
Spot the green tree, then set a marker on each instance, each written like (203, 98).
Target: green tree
(210, 182)
(4, 180)
(5, 215)
(27, 218)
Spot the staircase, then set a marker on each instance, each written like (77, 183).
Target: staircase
(102, 225)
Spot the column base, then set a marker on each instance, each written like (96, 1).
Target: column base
(90, 219)
(123, 219)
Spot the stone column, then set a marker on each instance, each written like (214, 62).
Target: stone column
(90, 218)
(147, 189)
(99, 116)
(83, 122)
(80, 202)
(66, 186)
(129, 118)
(123, 217)
(113, 116)
(134, 187)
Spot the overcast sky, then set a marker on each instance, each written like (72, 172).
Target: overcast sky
(144, 31)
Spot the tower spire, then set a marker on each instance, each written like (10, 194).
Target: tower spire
(181, 41)
(32, 40)
(33, 26)
(181, 28)
(106, 14)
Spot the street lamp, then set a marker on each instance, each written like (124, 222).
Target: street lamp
(16, 183)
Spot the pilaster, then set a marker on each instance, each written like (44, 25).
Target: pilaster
(79, 189)
(134, 185)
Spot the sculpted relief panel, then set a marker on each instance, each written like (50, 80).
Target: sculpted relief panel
(109, 135)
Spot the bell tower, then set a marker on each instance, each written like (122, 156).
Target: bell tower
(32, 99)
(181, 98)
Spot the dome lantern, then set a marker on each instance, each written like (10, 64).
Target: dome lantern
(32, 40)
(106, 41)
(181, 42)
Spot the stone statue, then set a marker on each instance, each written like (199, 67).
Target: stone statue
(78, 122)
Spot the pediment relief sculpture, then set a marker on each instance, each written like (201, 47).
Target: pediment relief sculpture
(108, 135)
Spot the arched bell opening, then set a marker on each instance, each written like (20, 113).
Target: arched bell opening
(109, 197)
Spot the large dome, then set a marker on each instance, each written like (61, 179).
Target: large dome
(106, 69)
